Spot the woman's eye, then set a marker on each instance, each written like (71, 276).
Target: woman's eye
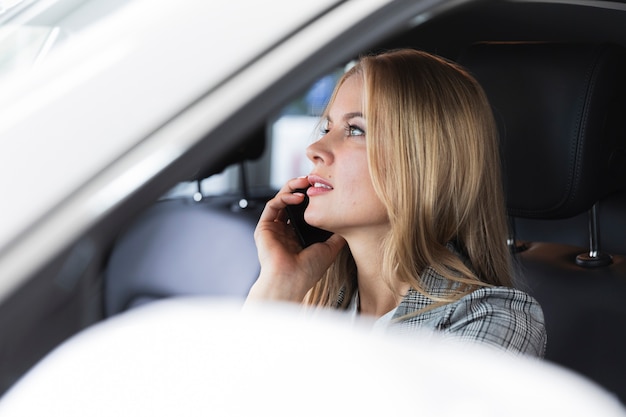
(355, 131)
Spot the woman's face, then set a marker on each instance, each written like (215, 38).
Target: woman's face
(342, 198)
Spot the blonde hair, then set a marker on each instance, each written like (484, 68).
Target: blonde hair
(433, 155)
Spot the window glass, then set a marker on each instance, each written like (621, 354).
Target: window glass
(295, 127)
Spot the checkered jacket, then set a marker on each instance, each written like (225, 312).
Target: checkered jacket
(503, 317)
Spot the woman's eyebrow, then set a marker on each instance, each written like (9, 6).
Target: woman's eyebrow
(352, 115)
(346, 116)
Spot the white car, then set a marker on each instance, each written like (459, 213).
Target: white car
(139, 140)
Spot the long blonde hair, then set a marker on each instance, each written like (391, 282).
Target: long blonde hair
(433, 156)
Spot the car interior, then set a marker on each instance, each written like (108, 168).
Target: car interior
(555, 75)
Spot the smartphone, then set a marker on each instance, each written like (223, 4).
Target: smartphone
(307, 234)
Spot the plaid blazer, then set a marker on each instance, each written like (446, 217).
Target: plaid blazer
(503, 317)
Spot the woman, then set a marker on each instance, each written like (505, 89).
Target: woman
(406, 176)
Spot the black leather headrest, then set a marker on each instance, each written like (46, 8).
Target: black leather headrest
(561, 112)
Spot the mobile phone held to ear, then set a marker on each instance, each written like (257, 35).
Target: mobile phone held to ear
(307, 234)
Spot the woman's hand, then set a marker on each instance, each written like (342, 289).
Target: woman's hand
(288, 271)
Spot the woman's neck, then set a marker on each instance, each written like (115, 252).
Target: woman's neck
(376, 297)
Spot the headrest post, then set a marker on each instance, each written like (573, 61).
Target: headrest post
(511, 241)
(595, 258)
(198, 196)
(244, 202)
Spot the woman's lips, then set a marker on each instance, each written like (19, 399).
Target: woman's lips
(318, 186)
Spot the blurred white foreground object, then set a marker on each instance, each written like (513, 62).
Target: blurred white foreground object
(199, 357)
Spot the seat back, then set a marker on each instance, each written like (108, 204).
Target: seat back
(181, 247)
(560, 112)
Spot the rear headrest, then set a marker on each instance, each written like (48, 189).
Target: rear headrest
(561, 112)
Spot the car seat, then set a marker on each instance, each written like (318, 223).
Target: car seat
(183, 247)
(560, 110)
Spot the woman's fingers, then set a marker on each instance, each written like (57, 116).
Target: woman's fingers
(288, 271)
(295, 184)
(274, 209)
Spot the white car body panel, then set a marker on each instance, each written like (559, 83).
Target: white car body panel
(197, 357)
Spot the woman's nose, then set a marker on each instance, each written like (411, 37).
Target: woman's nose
(319, 151)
